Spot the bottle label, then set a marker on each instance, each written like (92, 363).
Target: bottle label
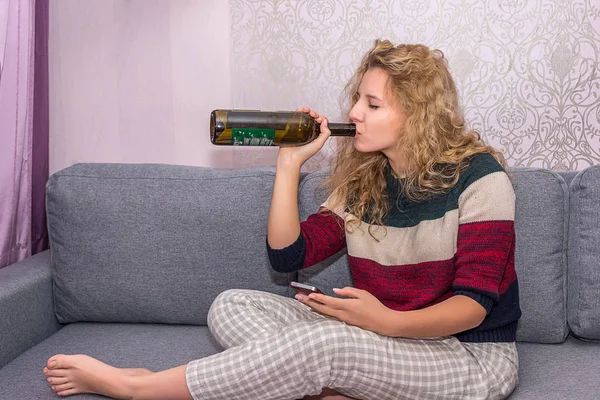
(252, 136)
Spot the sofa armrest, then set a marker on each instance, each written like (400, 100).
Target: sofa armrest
(26, 306)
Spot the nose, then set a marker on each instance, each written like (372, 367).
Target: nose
(355, 115)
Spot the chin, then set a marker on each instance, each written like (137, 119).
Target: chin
(361, 147)
(358, 146)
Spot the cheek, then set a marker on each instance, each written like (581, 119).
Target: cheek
(382, 132)
(390, 128)
(381, 122)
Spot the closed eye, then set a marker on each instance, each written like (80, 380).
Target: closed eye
(374, 107)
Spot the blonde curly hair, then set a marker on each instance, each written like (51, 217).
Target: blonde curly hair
(435, 140)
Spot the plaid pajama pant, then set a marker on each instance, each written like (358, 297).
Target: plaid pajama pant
(277, 348)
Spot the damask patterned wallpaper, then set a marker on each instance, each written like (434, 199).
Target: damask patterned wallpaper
(528, 70)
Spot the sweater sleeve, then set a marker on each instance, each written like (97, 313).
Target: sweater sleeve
(290, 258)
(486, 238)
(321, 236)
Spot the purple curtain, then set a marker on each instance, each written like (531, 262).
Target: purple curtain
(23, 128)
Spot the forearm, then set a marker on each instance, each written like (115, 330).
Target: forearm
(283, 227)
(456, 314)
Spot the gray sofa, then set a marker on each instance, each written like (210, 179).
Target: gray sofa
(138, 253)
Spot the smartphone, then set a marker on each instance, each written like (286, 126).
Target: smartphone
(304, 289)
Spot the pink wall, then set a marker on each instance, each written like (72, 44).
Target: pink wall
(135, 81)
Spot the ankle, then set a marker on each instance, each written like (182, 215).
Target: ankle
(139, 387)
(128, 387)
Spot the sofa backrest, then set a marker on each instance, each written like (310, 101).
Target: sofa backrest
(541, 225)
(156, 243)
(583, 311)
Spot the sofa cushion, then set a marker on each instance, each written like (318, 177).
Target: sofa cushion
(156, 243)
(155, 347)
(540, 255)
(584, 256)
(558, 371)
(541, 224)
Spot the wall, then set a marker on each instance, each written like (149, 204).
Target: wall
(135, 81)
(528, 71)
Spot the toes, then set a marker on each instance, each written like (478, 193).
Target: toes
(53, 361)
(63, 361)
(59, 373)
(63, 388)
(67, 392)
(58, 381)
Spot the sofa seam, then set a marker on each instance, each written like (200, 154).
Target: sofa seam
(312, 175)
(574, 200)
(159, 178)
(565, 249)
(576, 185)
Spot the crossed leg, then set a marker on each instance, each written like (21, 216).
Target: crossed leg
(72, 374)
(83, 374)
(239, 316)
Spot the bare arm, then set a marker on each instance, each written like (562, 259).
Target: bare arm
(456, 314)
(451, 316)
(283, 227)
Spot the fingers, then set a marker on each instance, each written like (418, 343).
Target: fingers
(348, 292)
(325, 132)
(322, 308)
(322, 299)
(304, 110)
(312, 113)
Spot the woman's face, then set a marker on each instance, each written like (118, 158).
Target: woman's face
(377, 115)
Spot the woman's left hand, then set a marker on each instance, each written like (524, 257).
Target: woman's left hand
(359, 308)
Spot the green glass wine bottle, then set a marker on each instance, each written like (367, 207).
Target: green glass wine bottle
(268, 128)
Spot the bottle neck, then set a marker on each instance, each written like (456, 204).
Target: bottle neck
(341, 129)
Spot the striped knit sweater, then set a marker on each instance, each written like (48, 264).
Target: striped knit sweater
(461, 242)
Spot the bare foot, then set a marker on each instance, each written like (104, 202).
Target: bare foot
(72, 374)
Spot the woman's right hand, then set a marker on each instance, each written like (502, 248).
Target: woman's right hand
(297, 155)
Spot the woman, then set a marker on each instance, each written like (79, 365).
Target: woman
(426, 213)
